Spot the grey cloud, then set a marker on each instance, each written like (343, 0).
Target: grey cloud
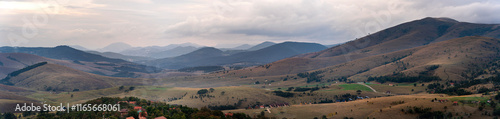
(163, 22)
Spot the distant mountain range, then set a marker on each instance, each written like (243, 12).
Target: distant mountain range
(115, 47)
(210, 56)
(120, 56)
(261, 46)
(171, 50)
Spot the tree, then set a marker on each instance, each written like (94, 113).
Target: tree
(359, 92)
(131, 88)
(9, 115)
(121, 88)
(202, 91)
(211, 89)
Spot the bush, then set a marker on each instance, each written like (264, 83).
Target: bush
(283, 94)
(202, 91)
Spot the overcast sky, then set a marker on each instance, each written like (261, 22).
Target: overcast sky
(97, 23)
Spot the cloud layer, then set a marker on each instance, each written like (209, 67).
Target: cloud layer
(97, 23)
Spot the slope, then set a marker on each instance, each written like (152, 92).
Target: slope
(14, 61)
(404, 36)
(53, 77)
(84, 58)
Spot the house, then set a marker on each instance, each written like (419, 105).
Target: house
(161, 117)
(391, 84)
(130, 118)
(228, 114)
(137, 108)
(131, 102)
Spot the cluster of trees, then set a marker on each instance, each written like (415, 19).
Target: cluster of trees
(299, 89)
(313, 76)
(456, 90)
(402, 79)
(153, 109)
(202, 68)
(227, 107)
(283, 94)
(426, 113)
(424, 76)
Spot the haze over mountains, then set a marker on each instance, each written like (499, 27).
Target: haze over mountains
(209, 56)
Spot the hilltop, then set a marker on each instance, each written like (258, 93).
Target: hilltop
(110, 65)
(53, 77)
(401, 37)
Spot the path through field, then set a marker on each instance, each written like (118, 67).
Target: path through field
(367, 86)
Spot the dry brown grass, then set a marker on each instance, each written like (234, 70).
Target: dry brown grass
(369, 108)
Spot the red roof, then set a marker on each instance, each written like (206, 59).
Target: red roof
(130, 118)
(137, 107)
(124, 110)
(162, 117)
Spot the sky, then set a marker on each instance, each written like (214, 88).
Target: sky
(225, 23)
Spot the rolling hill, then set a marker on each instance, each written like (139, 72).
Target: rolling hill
(83, 58)
(215, 57)
(52, 77)
(455, 59)
(15, 61)
(404, 36)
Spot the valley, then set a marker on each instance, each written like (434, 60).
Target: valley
(426, 68)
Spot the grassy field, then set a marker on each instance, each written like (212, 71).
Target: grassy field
(481, 99)
(354, 87)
